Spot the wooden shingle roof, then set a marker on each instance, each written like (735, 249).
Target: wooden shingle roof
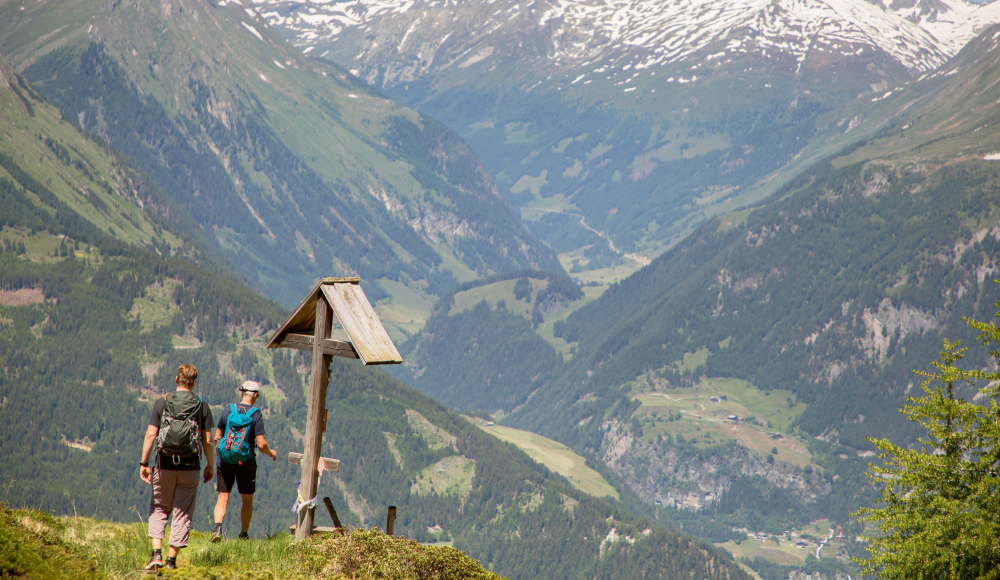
(368, 338)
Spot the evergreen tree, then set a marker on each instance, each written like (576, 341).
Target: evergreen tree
(939, 499)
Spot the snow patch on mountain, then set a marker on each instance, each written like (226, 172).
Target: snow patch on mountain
(919, 34)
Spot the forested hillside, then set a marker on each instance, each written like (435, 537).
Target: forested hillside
(76, 401)
(289, 167)
(94, 328)
(480, 350)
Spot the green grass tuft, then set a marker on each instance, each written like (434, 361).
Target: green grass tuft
(369, 554)
(31, 547)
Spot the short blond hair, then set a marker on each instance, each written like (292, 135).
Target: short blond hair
(187, 375)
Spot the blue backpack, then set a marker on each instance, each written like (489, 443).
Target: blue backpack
(235, 446)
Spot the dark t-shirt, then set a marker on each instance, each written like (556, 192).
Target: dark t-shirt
(256, 427)
(193, 462)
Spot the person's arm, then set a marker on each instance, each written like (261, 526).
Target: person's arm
(145, 473)
(265, 449)
(208, 444)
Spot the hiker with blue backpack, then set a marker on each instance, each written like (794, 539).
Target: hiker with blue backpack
(179, 429)
(240, 433)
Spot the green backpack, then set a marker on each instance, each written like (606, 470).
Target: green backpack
(179, 432)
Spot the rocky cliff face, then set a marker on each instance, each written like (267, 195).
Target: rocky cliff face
(683, 478)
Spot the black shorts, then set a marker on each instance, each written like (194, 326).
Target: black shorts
(245, 477)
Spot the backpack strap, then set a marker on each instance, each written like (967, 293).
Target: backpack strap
(197, 421)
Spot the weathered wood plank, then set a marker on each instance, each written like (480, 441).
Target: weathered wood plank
(302, 318)
(315, 416)
(330, 346)
(328, 463)
(358, 318)
(390, 521)
(317, 529)
(333, 512)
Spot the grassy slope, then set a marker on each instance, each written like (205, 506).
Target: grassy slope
(39, 546)
(706, 424)
(494, 293)
(31, 547)
(951, 124)
(556, 456)
(82, 173)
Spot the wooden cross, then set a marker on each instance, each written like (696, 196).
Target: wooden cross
(308, 328)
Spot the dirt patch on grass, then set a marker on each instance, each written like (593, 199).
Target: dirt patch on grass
(22, 297)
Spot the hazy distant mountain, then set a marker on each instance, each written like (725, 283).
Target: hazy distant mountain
(640, 117)
(827, 295)
(288, 165)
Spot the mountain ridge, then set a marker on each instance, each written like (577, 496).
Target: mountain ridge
(919, 35)
(611, 106)
(290, 168)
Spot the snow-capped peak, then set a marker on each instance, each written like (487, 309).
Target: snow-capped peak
(919, 34)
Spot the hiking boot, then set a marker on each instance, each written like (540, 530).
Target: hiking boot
(171, 563)
(217, 534)
(155, 561)
(244, 536)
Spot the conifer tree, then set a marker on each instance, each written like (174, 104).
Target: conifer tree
(939, 501)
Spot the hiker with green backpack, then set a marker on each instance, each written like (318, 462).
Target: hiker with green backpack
(179, 429)
(240, 432)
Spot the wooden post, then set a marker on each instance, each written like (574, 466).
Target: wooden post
(333, 513)
(308, 328)
(315, 419)
(390, 521)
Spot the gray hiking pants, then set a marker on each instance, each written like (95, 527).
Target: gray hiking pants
(173, 491)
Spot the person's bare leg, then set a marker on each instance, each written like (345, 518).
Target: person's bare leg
(246, 513)
(220, 507)
(173, 551)
(157, 543)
